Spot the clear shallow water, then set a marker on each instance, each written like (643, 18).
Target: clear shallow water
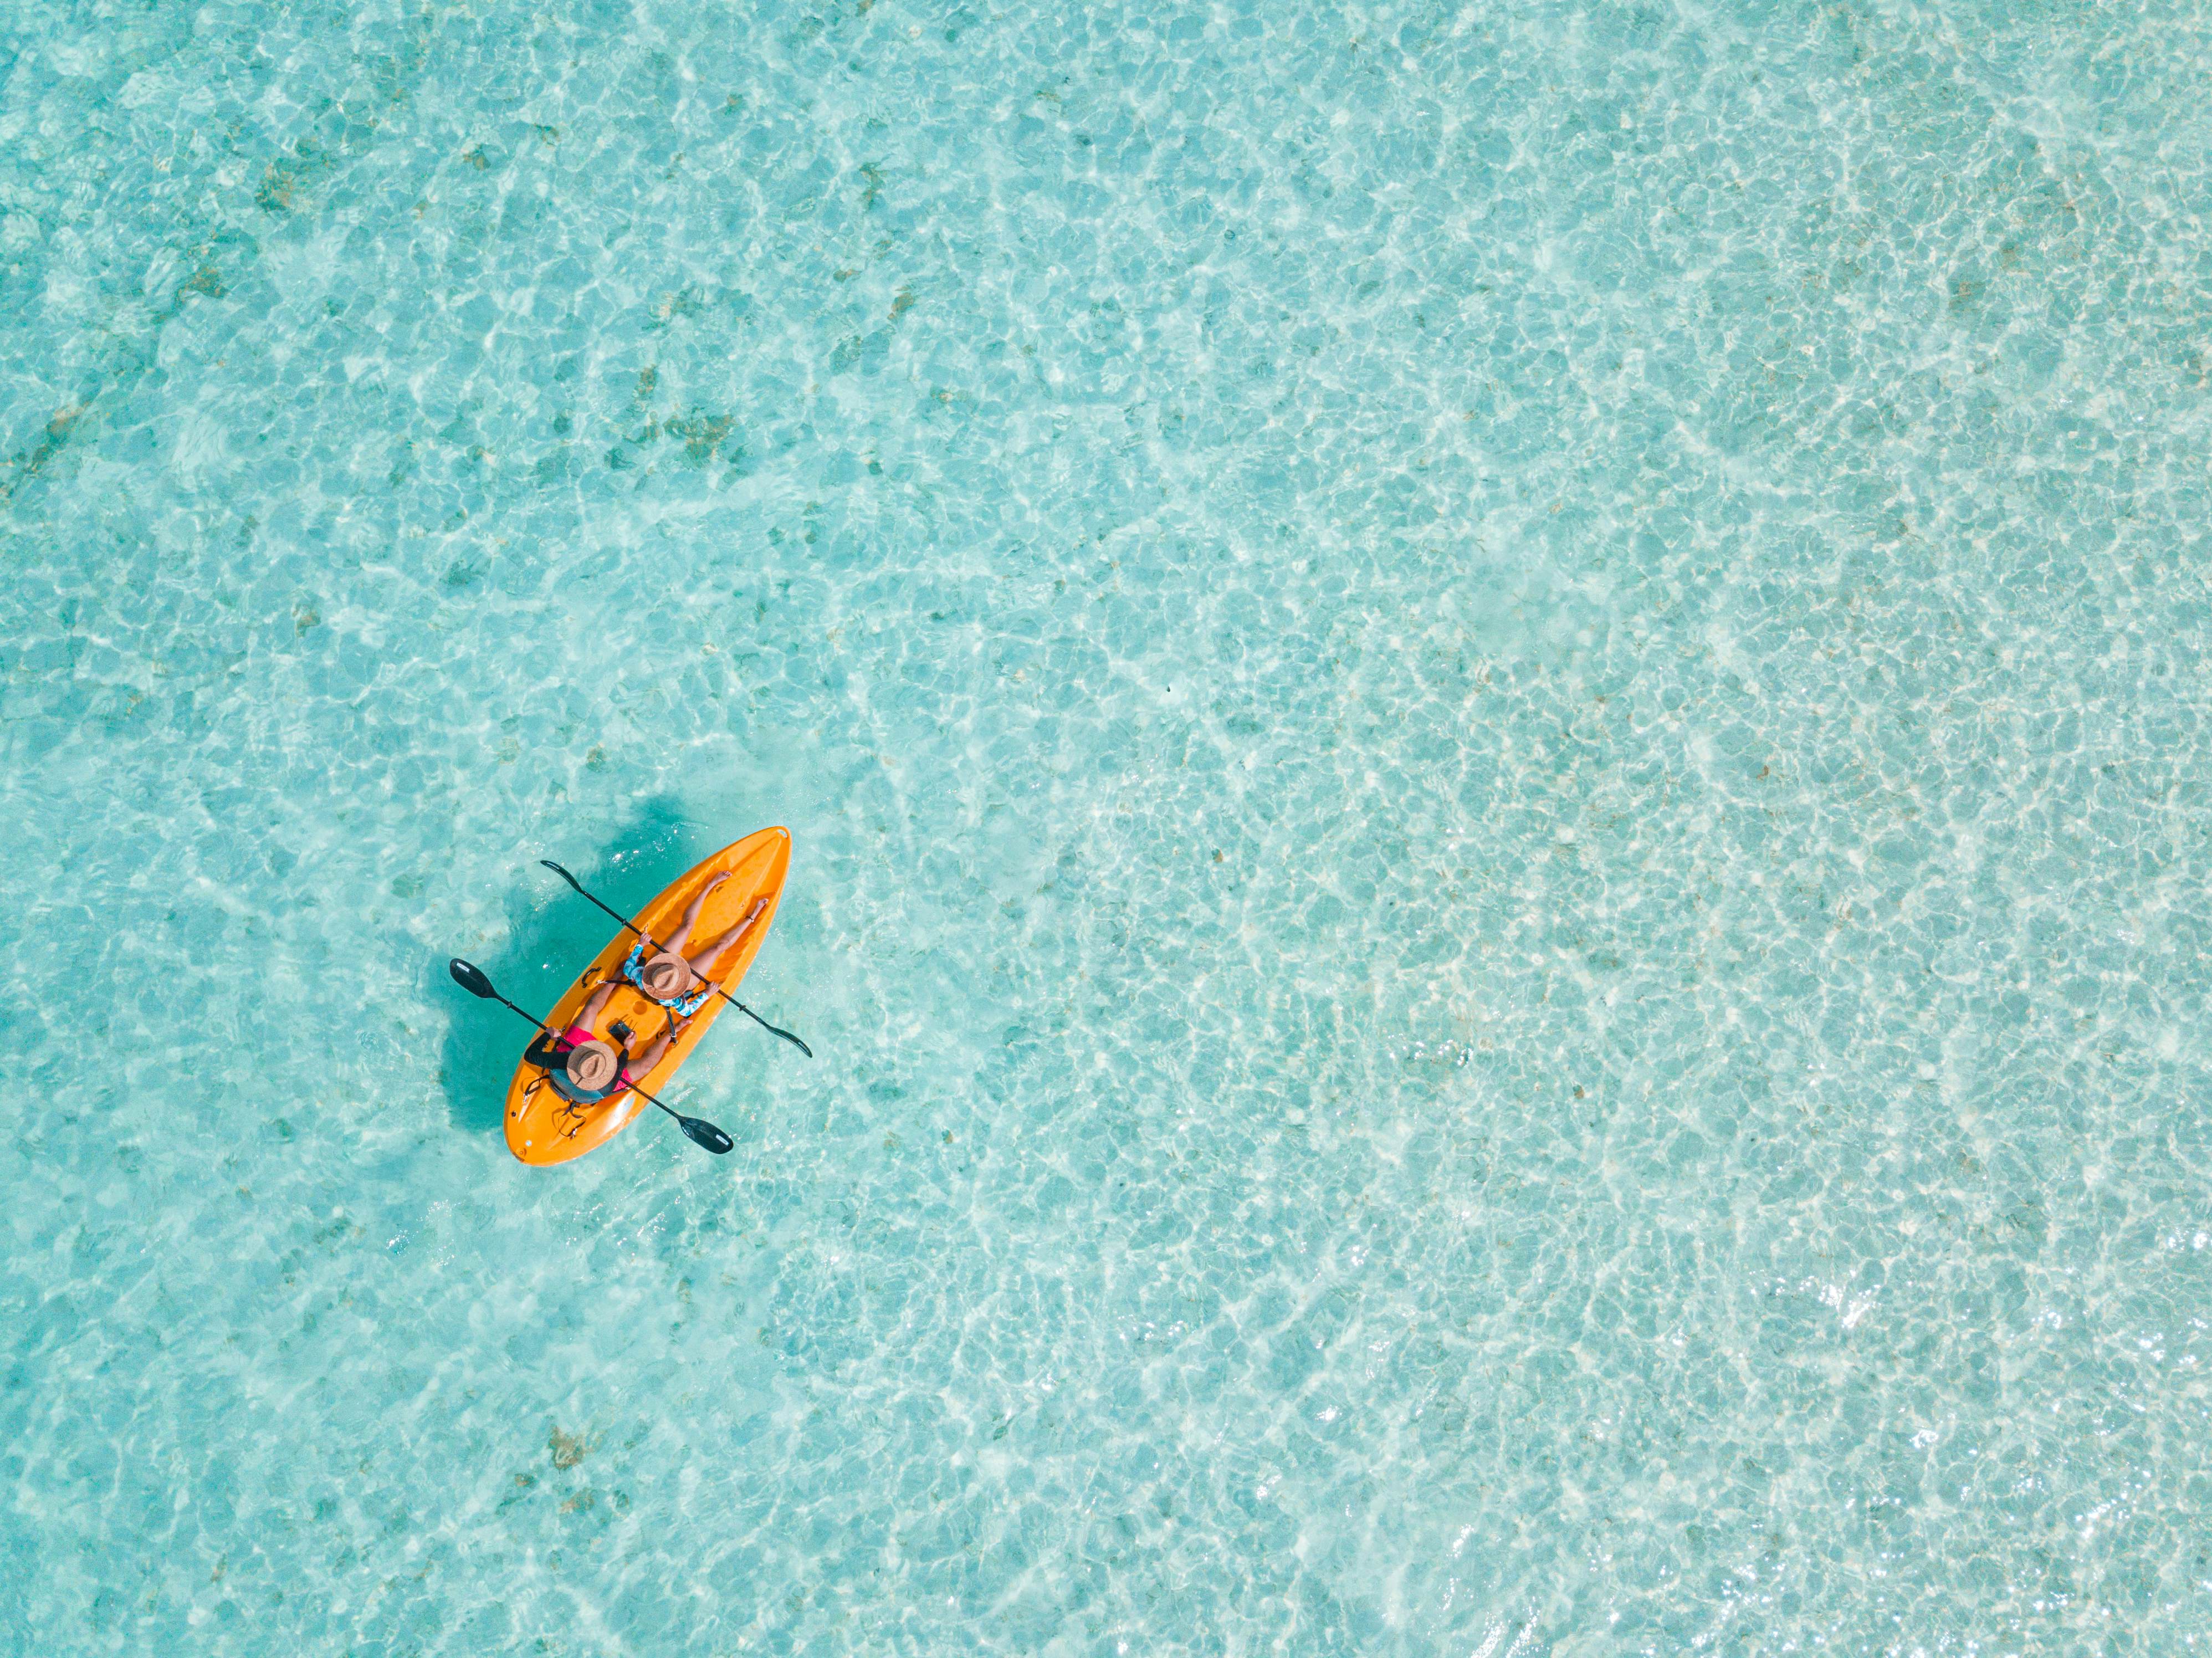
(1494, 722)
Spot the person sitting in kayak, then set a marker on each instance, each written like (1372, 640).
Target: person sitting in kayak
(668, 977)
(585, 1068)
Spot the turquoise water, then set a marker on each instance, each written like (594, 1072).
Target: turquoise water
(1494, 721)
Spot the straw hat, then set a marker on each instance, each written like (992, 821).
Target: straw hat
(665, 976)
(591, 1065)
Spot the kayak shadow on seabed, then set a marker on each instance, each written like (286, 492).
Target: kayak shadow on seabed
(551, 935)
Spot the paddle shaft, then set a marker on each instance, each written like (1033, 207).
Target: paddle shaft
(711, 985)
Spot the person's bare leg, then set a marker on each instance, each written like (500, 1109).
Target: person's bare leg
(703, 958)
(594, 1005)
(682, 936)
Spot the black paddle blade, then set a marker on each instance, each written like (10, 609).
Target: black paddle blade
(706, 1134)
(563, 873)
(773, 1030)
(470, 978)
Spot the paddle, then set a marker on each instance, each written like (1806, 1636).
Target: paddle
(771, 1029)
(471, 979)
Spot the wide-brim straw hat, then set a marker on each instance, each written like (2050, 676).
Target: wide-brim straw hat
(666, 975)
(591, 1065)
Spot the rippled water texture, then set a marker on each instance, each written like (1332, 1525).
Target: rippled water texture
(1494, 721)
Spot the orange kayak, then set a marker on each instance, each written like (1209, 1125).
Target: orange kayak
(542, 1127)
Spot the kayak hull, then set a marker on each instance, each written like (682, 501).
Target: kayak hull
(542, 1126)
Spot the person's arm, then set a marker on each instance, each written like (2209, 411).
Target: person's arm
(641, 1067)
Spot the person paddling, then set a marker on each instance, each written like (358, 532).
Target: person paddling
(673, 980)
(587, 1069)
